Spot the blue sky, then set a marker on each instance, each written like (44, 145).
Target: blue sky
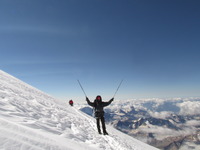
(152, 45)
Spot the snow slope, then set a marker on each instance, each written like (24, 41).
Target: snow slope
(33, 120)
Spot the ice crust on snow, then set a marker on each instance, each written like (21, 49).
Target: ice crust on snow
(33, 120)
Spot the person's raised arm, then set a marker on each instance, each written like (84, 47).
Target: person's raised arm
(109, 102)
(89, 103)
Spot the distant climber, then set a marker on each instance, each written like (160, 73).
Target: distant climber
(99, 112)
(71, 102)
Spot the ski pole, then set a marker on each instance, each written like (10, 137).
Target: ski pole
(82, 88)
(117, 88)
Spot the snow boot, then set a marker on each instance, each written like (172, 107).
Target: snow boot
(99, 130)
(105, 133)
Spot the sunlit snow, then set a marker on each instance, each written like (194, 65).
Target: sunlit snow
(33, 120)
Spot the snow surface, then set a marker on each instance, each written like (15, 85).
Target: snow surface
(33, 120)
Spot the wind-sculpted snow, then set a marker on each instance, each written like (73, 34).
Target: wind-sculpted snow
(33, 120)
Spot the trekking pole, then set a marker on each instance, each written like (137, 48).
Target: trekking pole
(117, 88)
(82, 88)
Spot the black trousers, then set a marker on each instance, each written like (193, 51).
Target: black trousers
(103, 124)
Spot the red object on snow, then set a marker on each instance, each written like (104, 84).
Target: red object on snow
(71, 102)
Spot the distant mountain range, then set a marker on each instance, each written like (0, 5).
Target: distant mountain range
(168, 124)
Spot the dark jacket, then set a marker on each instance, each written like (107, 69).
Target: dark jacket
(98, 106)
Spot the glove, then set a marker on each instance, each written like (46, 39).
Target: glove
(87, 99)
(112, 99)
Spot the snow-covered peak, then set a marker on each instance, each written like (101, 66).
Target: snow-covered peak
(33, 120)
